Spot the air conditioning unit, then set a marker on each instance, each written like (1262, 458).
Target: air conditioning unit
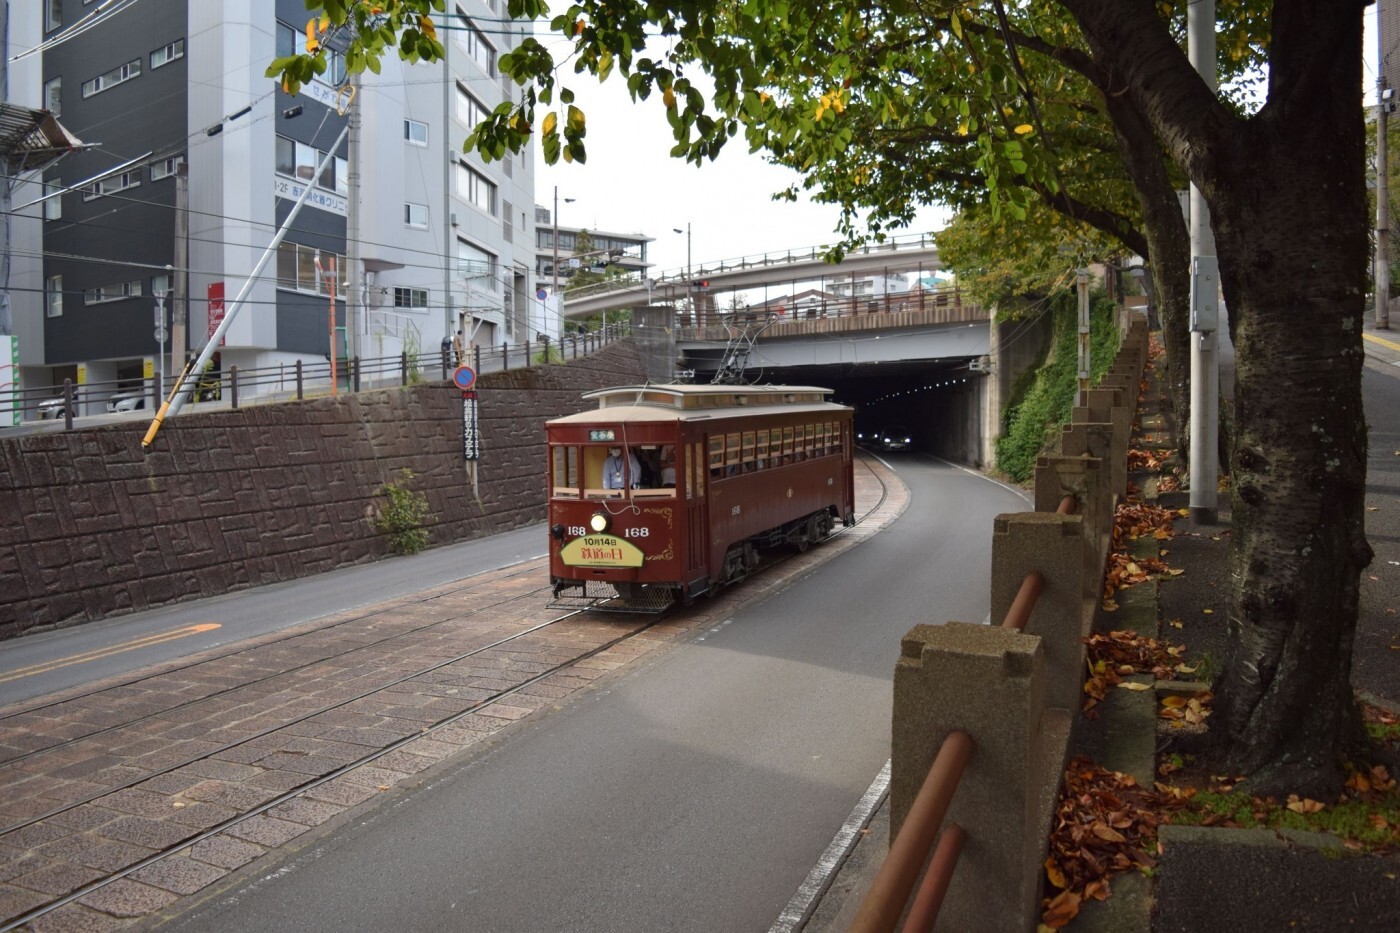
(376, 295)
(452, 218)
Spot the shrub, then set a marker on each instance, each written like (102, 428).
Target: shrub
(1034, 421)
(401, 517)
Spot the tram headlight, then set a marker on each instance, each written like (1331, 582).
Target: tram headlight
(598, 522)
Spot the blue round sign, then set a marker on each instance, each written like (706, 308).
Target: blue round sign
(542, 294)
(464, 377)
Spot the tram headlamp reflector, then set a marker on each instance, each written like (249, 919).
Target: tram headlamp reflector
(598, 521)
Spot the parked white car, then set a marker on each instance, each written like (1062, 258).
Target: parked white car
(126, 401)
(51, 408)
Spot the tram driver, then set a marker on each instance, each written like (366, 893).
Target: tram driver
(612, 469)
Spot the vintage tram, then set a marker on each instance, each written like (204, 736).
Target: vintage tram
(665, 492)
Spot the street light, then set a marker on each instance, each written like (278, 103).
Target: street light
(554, 289)
(686, 231)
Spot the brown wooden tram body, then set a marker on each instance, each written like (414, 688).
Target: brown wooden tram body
(754, 466)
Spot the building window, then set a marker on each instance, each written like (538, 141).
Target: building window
(53, 296)
(507, 227)
(53, 207)
(165, 168)
(168, 54)
(105, 293)
(111, 185)
(289, 42)
(476, 188)
(296, 268)
(53, 15)
(415, 132)
(410, 297)
(474, 43)
(469, 110)
(53, 96)
(477, 265)
(415, 215)
(299, 161)
(111, 79)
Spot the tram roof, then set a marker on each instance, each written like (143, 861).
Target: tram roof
(666, 402)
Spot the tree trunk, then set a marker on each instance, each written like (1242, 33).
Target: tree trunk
(1289, 214)
(1286, 191)
(1169, 245)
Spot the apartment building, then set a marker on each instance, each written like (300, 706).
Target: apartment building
(173, 93)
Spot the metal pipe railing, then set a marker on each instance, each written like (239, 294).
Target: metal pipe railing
(923, 913)
(889, 893)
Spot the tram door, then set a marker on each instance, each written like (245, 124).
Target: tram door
(697, 521)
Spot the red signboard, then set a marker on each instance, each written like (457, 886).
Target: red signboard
(216, 308)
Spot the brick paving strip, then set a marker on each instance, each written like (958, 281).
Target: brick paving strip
(99, 779)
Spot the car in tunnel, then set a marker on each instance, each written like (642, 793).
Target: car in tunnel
(894, 437)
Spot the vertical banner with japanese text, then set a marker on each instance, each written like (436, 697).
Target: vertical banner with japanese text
(216, 309)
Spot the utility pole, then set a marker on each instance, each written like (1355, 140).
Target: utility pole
(1081, 281)
(1384, 93)
(179, 278)
(354, 267)
(1205, 312)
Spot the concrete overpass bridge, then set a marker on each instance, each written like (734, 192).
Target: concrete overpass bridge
(936, 365)
(774, 272)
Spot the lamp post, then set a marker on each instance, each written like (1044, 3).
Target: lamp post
(689, 288)
(686, 231)
(554, 289)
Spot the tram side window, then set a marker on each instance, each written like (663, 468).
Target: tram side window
(695, 476)
(565, 471)
(760, 450)
(731, 454)
(717, 455)
(746, 454)
(787, 445)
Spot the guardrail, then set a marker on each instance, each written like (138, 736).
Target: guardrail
(1002, 698)
(235, 387)
(909, 853)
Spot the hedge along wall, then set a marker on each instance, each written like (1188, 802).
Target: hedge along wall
(93, 526)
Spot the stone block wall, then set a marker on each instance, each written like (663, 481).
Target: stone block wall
(91, 526)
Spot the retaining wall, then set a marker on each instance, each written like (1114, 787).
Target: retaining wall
(91, 526)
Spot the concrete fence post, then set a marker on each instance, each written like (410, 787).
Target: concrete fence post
(1054, 546)
(990, 682)
(1097, 440)
(1084, 478)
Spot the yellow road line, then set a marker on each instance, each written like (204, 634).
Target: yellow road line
(143, 642)
(1382, 341)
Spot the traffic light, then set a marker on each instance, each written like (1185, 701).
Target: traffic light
(700, 284)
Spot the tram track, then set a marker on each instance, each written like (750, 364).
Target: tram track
(425, 677)
(524, 567)
(318, 781)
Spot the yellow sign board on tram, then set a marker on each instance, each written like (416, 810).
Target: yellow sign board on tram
(601, 551)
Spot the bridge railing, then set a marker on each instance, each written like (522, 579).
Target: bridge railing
(672, 278)
(835, 307)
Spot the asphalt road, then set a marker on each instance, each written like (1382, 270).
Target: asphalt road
(47, 662)
(694, 792)
(1376, 654)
